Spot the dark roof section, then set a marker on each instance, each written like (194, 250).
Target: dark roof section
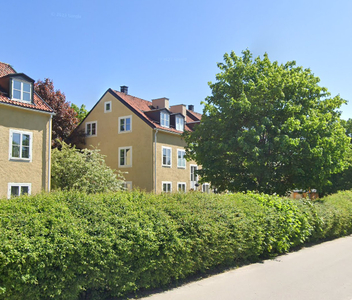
(38, 103)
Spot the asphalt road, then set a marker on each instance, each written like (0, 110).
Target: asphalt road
(321, 272)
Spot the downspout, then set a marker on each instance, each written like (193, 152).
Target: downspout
(155, 139)
(49, 153)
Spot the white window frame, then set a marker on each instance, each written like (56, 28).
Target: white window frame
(181, 184)
(20, 185)
(193, 182)
(105, 109)
(166, 183)
(162, 156)
(164, 119)
(180, 126)
(11, 157)
(119, 157)
(206, 188)
(178, 165)
(22, 90)
(125, 118)
(96, 128)
(127, 185)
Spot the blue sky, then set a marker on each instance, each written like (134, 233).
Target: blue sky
(171, 48)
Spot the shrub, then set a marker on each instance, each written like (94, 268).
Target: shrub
(68, 245)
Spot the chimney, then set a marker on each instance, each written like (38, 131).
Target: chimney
(124, 89)
(161, 103)
(181, 108)
(191, 107)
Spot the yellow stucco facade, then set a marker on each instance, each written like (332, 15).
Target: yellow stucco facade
(143, 144)
(33, 171)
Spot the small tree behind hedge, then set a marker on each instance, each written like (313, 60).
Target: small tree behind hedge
(83, 170)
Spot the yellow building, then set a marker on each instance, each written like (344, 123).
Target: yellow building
(25, 136)
(143, 139)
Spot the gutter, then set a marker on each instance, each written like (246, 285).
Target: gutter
(155, 140)
(49, 154)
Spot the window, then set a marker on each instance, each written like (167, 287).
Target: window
(125, 124)
(167, 187)
(107, 107)
(194, 177)
(205, 188)
(181, 161)
(164, 119)
(125, 157)
(127, 185)
(166, 157)
(91, 128)
(179, 123)
(18, 189)
(181, 187)
(20, 145)
(21, 90)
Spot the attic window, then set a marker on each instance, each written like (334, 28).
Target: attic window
(179, 123)
(164, 119)
(21, 90)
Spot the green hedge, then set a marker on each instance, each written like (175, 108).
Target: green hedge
(72, 245)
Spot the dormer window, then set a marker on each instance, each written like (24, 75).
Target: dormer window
(164, 119)
(21, 90)
(179, 123)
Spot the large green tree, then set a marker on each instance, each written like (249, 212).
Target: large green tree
(268, 127)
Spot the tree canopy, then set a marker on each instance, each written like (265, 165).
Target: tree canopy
(65, 118)
(268, 127)
(81, 112)
(84, 170)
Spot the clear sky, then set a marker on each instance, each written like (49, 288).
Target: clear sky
(170, 48)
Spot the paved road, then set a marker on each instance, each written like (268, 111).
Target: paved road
(321, 272)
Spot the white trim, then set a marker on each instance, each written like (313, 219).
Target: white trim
(11, 184)
(119, 124)
(11, 132)
(193, 182)
(119, 157)
(206, 185)
(178, 117)
(162, 156)
(49, 152)
(167, 120)
(162, 186)
(127, 185)
(22, 90)
(181, 167)
(96, 128)
(182, 183)
(105, 110)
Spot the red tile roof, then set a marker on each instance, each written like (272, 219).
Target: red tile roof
(140, 106)
(38, 103)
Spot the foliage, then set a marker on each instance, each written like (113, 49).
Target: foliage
(81, 112)
(342, 181)
(71, 245)
(268, 127)
(65, 118)
(83, 170)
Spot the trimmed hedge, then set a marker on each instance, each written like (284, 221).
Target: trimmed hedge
(69, 245)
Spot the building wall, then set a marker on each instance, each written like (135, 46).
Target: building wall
(172, 174)
(108, 140)
(36, 171)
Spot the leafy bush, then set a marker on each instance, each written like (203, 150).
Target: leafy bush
(71, 245)
(84, 170)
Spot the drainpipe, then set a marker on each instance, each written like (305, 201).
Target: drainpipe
(155, 139)
(49, 154)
